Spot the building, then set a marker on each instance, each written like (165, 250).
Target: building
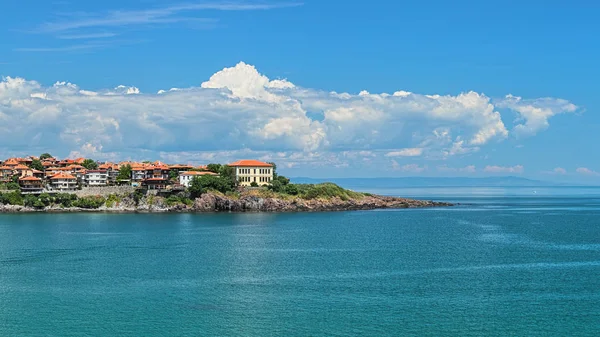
(31, 185)
(23, 170)
(96, 178)
(185, 178)
(6, 172)
(253, 171)
(112, 171)
(63, 182)
(156, 183)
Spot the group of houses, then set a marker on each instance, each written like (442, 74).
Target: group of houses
(69, 174)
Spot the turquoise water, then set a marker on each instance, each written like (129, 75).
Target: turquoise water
(517, 265)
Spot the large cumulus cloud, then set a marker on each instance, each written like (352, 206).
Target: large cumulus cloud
(240, 111)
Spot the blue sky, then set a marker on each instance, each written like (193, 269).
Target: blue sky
(296, 98)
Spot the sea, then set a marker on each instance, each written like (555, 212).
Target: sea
(504, 262)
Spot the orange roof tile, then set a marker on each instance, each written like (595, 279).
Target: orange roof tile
(250, 163)
(21, 167)
(62, 176)
(30, 179)
(198, 173)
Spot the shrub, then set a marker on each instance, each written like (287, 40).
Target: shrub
(11, 198)
(175, 200)
(45, 199)
(13, 186)
(204, 183)
(254, 184)
(65, 199)
(137, 196)
(327, 191)
(291, 189)
(89, 202)
(112, 200)
(30, 200)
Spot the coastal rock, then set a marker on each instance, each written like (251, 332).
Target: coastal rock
(246, 202)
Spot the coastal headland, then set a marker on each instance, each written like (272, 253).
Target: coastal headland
(329, 197)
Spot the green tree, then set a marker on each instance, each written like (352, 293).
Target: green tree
(291, 189)
(45, 156)
(173, 175)
(274, 169)
(30, 200)
(124, 173)
(13, 186)
(195, 188)
(11, 198)
(90, 164)
(202, 184)
(36, 164)
(215, 168)
(228, 173)
(254, 184)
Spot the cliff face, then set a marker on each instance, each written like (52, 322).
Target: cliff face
(211, 202)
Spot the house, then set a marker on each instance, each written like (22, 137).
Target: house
(158, 170)
(253, 171)
(23, 170)
(138, 173)
(112, 171)
(156, 183)
(31, 185)
(6, 172)
(185, 178)
(178, 168)
(37, 174)
(96, 178)
(63, 182)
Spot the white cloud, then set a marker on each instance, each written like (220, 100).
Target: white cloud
(535, 113)
(587, 171)
(466, 169)
(240, 108)
(504, 169)
(410, 152)
(412, 168)
(559, 170)
(155, 16)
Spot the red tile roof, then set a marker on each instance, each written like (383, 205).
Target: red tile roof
(30, 179)
(198, 173)
(62, 176)
(250, 163)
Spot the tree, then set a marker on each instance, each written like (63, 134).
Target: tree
(90, 164)
(45, 156)
(124, 173)
(254, 184)
(228, 173)
(195, 188)
(36, 164)
(215, 168)
(201, 184)
(173, 175)
(291, 189)
(13, 186)
(274, 169)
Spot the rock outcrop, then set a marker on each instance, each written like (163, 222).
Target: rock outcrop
(217, 203)
(213, 202)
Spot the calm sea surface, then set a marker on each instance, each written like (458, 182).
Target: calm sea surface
(509, 262)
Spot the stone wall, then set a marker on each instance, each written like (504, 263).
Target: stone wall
(104, 191)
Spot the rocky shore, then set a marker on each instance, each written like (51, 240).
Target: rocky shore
(215, 202)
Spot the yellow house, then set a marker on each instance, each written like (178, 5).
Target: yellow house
(253, 171)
